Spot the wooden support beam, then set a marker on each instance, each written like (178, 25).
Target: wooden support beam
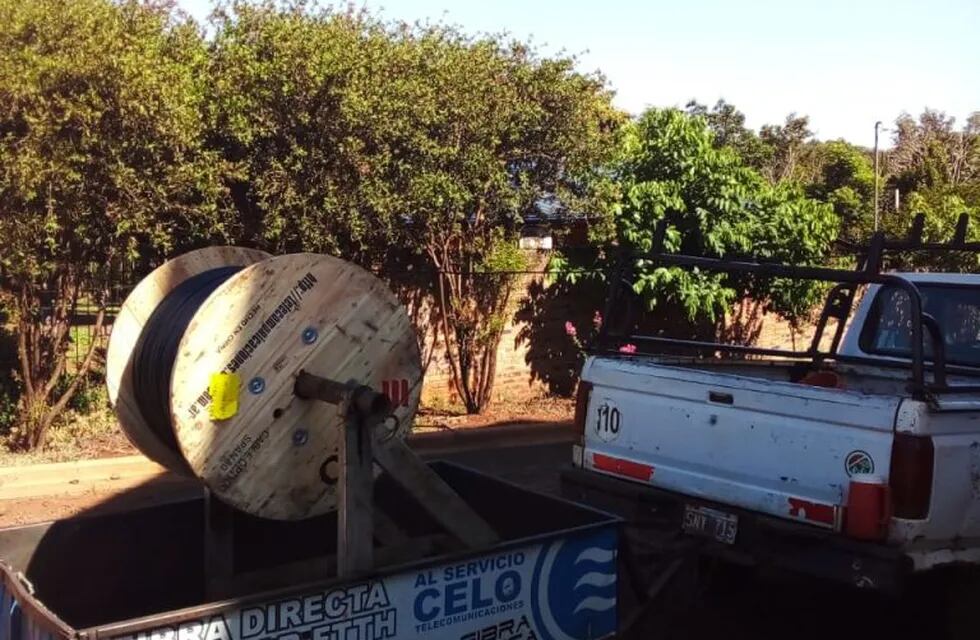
(355, 526)
(365, 408)
(435, 496)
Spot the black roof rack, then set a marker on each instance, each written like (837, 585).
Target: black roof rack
(839, 303)
(875, 251)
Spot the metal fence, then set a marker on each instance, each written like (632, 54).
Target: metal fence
(83, 329)
(84, 332)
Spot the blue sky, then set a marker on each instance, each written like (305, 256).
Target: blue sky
(843, 63)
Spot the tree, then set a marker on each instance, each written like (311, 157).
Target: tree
(931, 153)
(290, 106)
(936, 169)
(714, 205)
(728, 125)
(100, 114)
(353, 136)
(787, 142)
(845, 179)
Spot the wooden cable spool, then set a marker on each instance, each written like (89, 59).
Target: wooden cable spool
(274, 455)
(127, 330)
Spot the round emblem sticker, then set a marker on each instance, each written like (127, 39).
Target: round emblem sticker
(858, 462)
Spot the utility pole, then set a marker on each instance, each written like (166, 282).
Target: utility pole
(877, 124)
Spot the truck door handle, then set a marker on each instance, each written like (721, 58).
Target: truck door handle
(721, 398)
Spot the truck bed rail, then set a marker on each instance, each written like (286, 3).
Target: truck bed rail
(838, 306)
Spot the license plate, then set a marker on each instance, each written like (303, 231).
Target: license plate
(710, 523)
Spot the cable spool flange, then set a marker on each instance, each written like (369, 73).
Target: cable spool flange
(276, 457)
(274, 317)
(127, 333)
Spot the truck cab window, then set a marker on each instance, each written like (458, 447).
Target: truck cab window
(956, 309)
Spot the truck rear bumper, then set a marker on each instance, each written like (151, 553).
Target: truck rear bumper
(762, 540)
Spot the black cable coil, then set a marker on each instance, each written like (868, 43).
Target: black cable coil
(156, 349)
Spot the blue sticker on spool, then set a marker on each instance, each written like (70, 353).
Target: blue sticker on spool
(310, 335)
(256, 385)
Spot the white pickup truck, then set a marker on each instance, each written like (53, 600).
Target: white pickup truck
(760, 454)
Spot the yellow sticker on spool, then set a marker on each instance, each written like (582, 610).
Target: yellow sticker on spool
(224, 395)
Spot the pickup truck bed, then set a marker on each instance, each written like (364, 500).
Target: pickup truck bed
(749, 437)
(142, 574)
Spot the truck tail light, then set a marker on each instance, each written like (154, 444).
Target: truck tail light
(911, 476)
(868, 507)
(582, 406)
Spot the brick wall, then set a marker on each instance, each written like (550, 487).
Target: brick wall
(550, 349)
(513, 381)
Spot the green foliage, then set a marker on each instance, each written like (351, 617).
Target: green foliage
(502, 255)
(290, 104)
(936, 169)
(101, 130)
(715, 206)
(351, 135)
(8, 411)
(101, 146)
(929, 153)
(787, 227)
(934, 166)
(123, 132)
(728, 125)
(9, 391)
(846, 180)
(90, 395)
(788, 144)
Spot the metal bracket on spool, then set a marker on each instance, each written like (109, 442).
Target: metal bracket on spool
(358, 522)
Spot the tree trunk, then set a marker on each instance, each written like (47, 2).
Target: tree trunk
(472, 361)
(471, 304)
(42, 352)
